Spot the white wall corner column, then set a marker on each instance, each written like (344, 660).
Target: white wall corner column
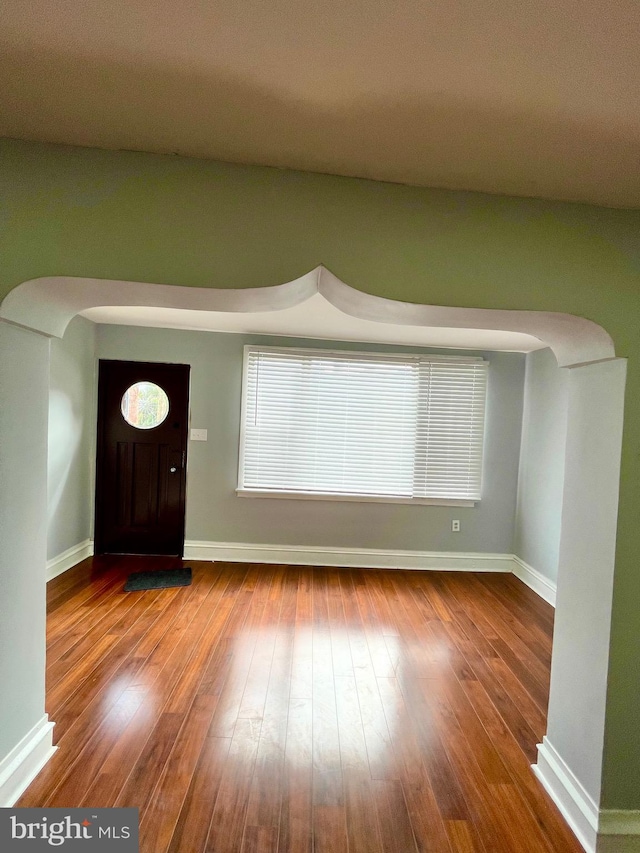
(25, 733)
(570, 759)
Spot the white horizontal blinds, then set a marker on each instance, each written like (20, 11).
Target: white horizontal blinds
(329, 423)
(363, 424)
(450, 432)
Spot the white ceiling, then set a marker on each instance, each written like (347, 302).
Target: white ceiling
(315, 318)
(525, 97)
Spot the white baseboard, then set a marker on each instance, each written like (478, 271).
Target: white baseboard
(372, 558)
(20, 767)
(599, 831)
(69, 558)
(565, 789)
(535, 580)
(365, 558)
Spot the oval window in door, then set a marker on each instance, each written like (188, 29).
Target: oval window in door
(144, 405)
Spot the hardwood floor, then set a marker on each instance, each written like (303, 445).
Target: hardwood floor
(275, 708)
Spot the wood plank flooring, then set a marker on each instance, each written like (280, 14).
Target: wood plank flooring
(302, 710)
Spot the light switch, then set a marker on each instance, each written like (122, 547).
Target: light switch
(198, 435)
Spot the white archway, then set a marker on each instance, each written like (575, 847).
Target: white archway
(570, 759)
(48, 304)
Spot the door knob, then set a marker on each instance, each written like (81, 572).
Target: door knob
(173, 469)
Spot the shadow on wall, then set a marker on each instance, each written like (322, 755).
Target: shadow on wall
(65, 435)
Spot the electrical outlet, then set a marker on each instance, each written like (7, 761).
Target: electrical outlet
(198, 435)
(455, 526)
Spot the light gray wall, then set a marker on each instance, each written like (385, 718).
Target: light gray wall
(542, 458)
(579, 669)
(215, 513)
(72, 429)
(24, 382)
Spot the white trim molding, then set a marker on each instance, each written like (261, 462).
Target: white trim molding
(372, 558)
(69, 558)
(599, 831)
(356, 558)
(360, 558)
(535, 580)
(20, 767)
(576, 805)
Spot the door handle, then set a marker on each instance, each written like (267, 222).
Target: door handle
(173, 469)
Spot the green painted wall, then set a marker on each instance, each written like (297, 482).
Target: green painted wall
(171, 220)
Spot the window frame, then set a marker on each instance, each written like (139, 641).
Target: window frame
(252, 492)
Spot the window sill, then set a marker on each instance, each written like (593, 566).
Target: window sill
(386, 499)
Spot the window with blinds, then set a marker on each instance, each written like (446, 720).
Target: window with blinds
(319, 423)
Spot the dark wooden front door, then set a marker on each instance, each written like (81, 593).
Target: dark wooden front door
(141, 457)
